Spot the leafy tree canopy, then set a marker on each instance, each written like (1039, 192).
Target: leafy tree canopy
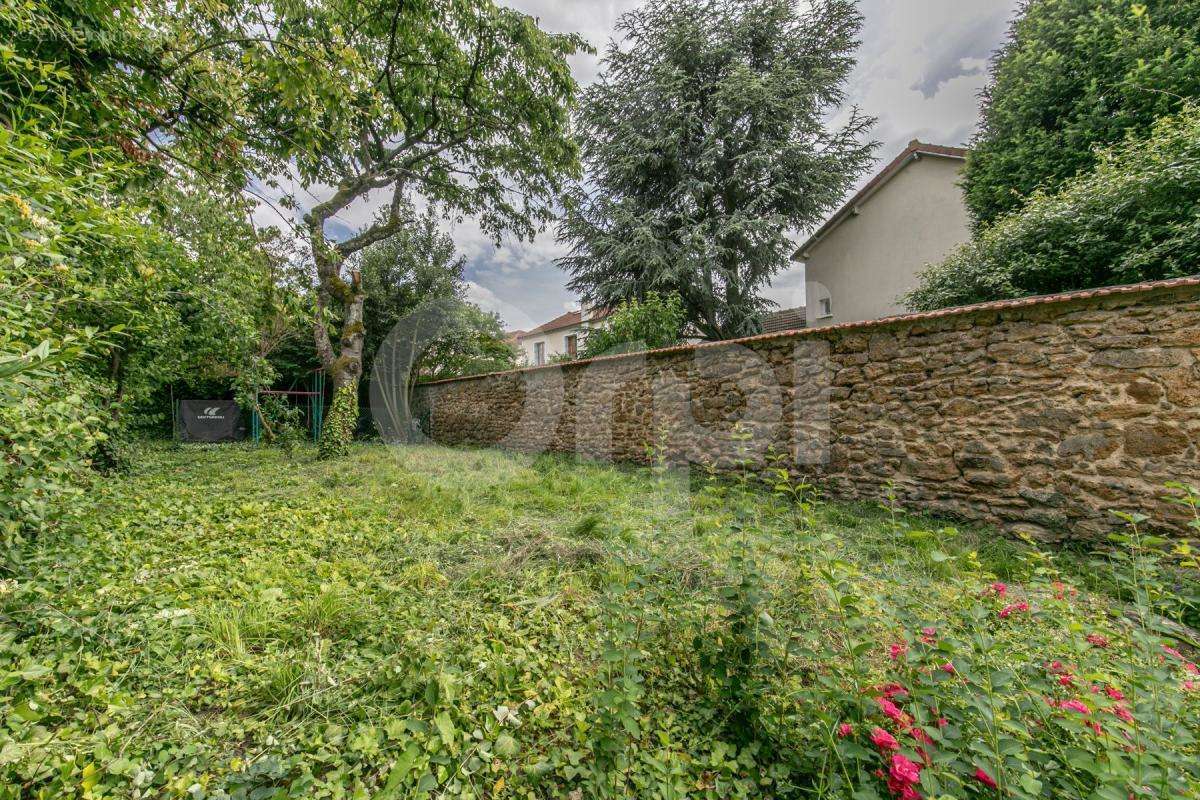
(418, 273)
(1075, 75)
(1131, 219)
(704, 139)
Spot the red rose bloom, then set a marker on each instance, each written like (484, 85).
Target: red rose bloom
(982, 776)
(884, 740)
(1013, 607)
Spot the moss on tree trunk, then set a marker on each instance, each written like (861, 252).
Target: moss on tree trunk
(341, 422)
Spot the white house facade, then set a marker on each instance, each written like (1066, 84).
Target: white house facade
(868, 255)
(562, 336)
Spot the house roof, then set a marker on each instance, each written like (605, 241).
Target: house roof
(570, 319)
(915, 150)
(786, 319)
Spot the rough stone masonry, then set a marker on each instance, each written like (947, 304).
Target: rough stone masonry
(1039, 415)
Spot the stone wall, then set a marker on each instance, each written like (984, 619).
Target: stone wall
(1040, 415)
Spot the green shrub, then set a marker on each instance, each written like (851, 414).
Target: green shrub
(1073, 76)
(657, 321)
(284, 422)
(55, 239)
(1134, 218)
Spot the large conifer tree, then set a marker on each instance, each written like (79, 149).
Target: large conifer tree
(705, 140)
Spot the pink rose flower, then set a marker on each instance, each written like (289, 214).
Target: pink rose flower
(844, 730)
(1008, 610)
(1075, 705)
(982, 776)
(884, 740)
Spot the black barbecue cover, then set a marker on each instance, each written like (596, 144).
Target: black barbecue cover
(210, 421)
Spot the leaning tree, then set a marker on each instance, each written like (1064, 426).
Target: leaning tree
(705, 139)
(460, 102)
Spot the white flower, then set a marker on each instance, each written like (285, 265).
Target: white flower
(172, 613)
(505, 715)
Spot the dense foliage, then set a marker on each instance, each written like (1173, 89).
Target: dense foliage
(1073, 76)
(121, 268)
(654, 322)
(413, 270)
(460, 101)
(1133, 218)
(705, 139)
(424, 622)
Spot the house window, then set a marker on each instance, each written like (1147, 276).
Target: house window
(539, 353)
(572, 344)
(826, 304)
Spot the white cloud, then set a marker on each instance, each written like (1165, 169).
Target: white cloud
(513, 317)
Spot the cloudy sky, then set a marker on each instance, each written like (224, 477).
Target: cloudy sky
(920, 68)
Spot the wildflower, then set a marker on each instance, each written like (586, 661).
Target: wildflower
(1122, 713)
(1056, 667)
(844, 730)
(1190, 686)
(903, 775)
(1075, 705)
(893, 690)
(982, 776)
(921, 736)
(1097, 640)
(1066, 680)
(1060, 590)
(893, 712)
(1012, 607)
(1000, 589)
(948, 668)
(884, 740)
(943, 722)
(897, 650)
(1097, 728)
(905, 770)
(1192, 668)
(1171, 651)
(1114, 693)
(928, 635)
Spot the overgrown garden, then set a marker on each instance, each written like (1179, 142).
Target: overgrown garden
(233, 622)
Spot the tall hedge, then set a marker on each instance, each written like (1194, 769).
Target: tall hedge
(1135, 217)
(1075, 75)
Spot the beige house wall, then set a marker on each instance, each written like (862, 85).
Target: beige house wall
(555, 342)
(869, 260)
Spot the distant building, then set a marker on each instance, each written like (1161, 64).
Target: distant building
(867, 256)
(786, 319)
(562, 336)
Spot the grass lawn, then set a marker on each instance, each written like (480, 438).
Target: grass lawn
(428, 622)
